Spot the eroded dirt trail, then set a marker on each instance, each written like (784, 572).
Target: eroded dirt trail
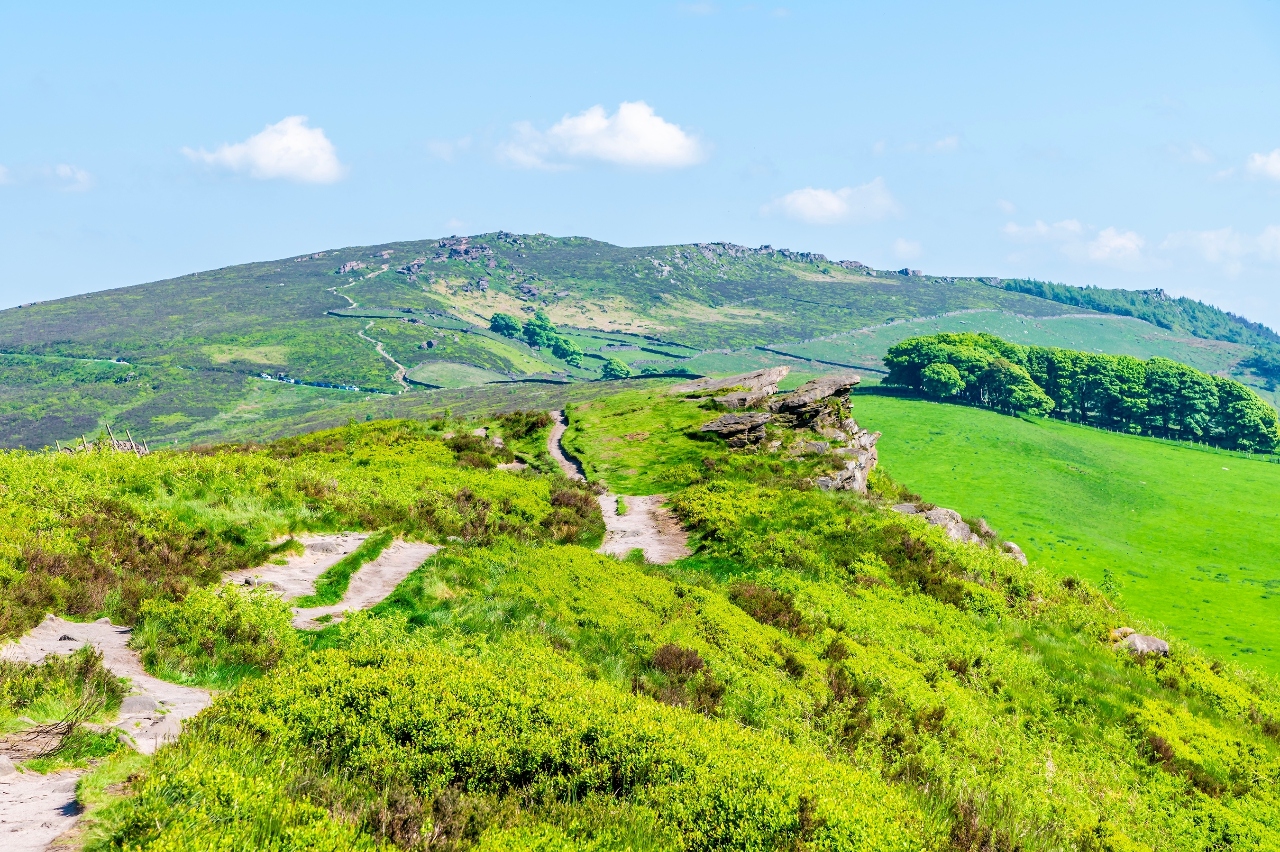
(154, 709)
(35, 809)
(647, 524)
(370, 585)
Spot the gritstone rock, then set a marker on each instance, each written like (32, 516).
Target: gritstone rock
(806, 405)
(6, 766)
(745, 390)
(1014, 551)
(739, 429)
(948, 519)
(1138, 644)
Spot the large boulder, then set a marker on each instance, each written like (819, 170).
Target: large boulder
(1141, 645)
(756, 384)
(1013, 550)
(807, 404)
(739, 430)
(948, 520)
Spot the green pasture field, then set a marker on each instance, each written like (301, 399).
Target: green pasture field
(1187, 533)
(451, 374)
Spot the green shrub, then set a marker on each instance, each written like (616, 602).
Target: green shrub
(215, 636)
(53, 689)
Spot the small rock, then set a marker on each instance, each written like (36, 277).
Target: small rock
(6, 766)
(907, 509)
(66, 638)
(1141, 645)
(1014, 551)
(739, 429)
(943, 517)
(1121, 632)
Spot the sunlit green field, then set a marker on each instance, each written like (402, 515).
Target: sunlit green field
(1189, 534)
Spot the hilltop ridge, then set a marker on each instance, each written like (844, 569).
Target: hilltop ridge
(201, 356)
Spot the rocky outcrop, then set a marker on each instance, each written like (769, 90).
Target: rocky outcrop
(744, 390)
(350, 266)
(808, 406)
(948, 519)
(740, 430)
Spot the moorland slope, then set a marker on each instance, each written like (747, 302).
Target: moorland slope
(199, 357)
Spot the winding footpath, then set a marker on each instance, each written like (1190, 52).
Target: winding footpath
(36, 809)
(647, 524)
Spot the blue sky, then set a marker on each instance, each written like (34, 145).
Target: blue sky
(1112, 144)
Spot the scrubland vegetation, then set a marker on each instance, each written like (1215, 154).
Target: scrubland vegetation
(822, 673)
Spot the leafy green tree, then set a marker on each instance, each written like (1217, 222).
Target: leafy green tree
(539, 331)
(941, 380)
(1007, 387)
(505, 324)
(1242, 421)
(566, 350)
(1180, 400)
(615, 369)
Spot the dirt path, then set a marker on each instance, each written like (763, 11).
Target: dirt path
(152, 712)
(570, 467)
(372, 583)
(647, 524)
(377, 344)
(35, 809)
(297, 577)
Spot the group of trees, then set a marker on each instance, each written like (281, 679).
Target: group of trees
(538, 331)
(1157, 397)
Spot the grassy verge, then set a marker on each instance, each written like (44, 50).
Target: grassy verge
(332, 584)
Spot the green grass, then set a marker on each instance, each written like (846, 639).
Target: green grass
(1187, 532)
(451, 374)
(332, 584)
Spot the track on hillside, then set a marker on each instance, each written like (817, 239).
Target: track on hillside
(647, 525)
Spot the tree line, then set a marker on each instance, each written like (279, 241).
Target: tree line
(1157, 397)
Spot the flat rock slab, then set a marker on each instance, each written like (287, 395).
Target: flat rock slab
(297, 577)
(372, 583)
(757, 380)
(154, 710)
(647, 525)
(35, 809)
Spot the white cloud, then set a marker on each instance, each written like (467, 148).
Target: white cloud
(906, 249)
(1083, 243)
(4, 175)
(633, 136)
(1006, 207)
(288, 149)
(73, 179)
(1111, 246)
(864, 203)
(1228, 247)
(949, 143)
(1067, 229)
(1265, 165)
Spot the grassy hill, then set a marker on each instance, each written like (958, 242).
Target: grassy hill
(822, 673)
(1185, 533)
(194, 358)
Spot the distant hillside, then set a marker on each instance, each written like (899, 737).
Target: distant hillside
(1157, 307)
(207, 355)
